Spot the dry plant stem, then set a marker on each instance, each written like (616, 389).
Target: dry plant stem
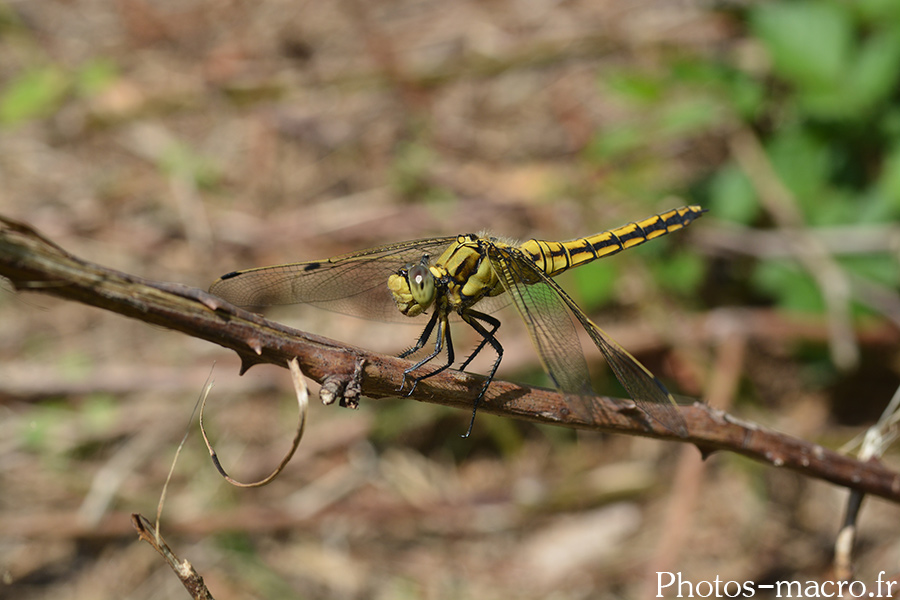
(875, 442)
(845, 241)
(162, 496)
(32, 262)
(843, 547)
(836, 240)
(302, 392)
(191, 580)
(812, 254)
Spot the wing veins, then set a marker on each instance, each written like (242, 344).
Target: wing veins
(644, 387)
(354, 283)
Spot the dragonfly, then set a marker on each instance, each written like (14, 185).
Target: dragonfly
(467, 277)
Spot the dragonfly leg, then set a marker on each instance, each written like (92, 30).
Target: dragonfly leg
(443, 330)
(484, 340)
(472, 318)
(420, 343)
(450, 356)
(423, 339)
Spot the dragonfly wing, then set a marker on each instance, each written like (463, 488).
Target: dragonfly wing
(545, 315)
(642, 385)
(531, 299)
(353, 284)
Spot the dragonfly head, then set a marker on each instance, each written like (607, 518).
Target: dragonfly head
(413, 289)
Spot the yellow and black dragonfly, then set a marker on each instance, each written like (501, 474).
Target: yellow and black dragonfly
(469, 276)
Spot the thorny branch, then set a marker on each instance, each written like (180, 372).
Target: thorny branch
(32, 262)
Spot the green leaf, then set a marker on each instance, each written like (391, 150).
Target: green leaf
(876, 69)
(792, 288)
(889, 122)
(99, 413)
(33, 94)
(42, 428)
(878, 12)
(612, 142)
(680, 119)
(874, 208)
(595, 284)
(881, 268)
(693, 72)
(836, 207)
(732, 197)
(747, 96)
(682, 273)
(888, 183)
(635, 87)
(180, 160)
(95, 76)
(810, 42)
(804, 163)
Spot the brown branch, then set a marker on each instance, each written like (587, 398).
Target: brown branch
(34, 263)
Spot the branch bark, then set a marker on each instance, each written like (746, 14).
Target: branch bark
(31, 262)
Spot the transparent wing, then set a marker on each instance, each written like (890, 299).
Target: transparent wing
(542, 304)
(549, 324)
(353, 284)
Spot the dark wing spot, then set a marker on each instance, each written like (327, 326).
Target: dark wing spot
(312, 266)
(230, 275)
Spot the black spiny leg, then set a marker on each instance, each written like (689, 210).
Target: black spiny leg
(495, 324)
(420, 343)
(450, 356)
(443, 328)
(470, 317)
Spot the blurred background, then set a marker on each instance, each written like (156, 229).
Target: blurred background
(182, 140)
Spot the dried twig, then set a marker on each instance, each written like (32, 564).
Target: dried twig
(809, 251)
(189, 577)
(34, 263)
(836, 241)
(872, 445)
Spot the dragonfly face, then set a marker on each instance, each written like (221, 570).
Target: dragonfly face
(459, 279)
(413, 288)
(471, 270)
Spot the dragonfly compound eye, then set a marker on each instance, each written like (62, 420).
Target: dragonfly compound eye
(421, 285)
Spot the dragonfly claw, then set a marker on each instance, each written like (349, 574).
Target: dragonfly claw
(415, 382)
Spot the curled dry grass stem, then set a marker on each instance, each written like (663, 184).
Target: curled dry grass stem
(302, 392)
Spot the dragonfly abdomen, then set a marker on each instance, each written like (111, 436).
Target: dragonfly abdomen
(555, 257)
